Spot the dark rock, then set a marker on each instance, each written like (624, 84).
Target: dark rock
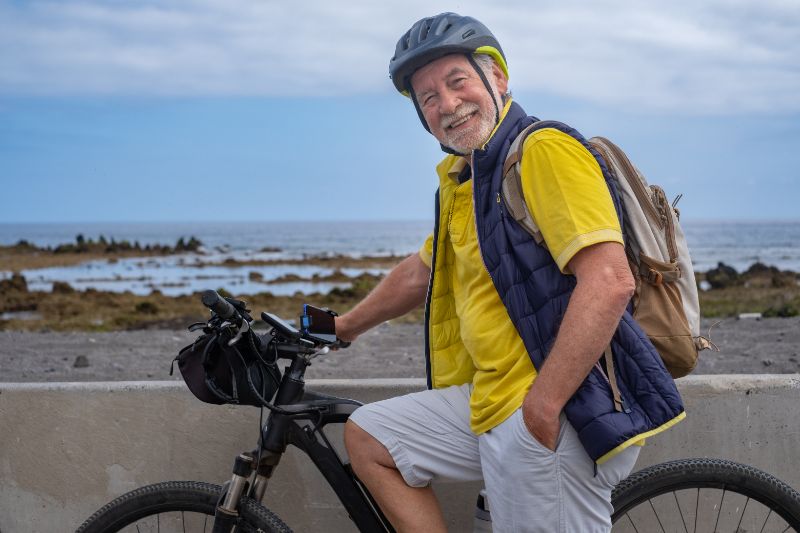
(16, 283)
(723, 276)
(62, 287)
(767, 362)
(760, 268)
(81, 362)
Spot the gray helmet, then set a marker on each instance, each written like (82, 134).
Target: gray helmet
(434, 37)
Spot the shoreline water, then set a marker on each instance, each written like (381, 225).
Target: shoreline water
(738, 243)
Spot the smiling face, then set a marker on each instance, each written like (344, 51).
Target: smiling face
(460, 112)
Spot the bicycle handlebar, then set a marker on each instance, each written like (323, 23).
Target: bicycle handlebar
(297, 341)
(218, 304)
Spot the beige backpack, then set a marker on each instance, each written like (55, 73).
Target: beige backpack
(665, 303)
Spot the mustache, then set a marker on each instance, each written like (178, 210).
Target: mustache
(464, 110)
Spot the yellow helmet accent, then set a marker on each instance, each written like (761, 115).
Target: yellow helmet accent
(496, 55)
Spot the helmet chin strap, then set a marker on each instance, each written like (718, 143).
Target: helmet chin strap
(485, 81)
(479, 70)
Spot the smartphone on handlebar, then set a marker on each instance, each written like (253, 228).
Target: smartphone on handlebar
(318, 323)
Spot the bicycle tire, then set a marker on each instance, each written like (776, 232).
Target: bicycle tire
(178, 497)
(651, 488)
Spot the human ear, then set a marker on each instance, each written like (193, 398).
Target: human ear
(500, 80)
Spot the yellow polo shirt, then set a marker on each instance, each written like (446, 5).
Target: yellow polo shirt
(568, 198)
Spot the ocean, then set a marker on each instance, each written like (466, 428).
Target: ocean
(735, 243)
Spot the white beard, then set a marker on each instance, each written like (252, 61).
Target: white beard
(474, 137)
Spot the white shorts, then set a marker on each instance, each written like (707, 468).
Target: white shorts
(530, 488)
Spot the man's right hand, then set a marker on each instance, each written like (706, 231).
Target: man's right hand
(342, 330)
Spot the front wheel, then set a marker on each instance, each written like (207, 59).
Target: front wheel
(180, 506)
(691, 495)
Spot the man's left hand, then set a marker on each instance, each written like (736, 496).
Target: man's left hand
(544, 428)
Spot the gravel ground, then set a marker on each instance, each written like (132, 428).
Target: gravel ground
(767, 346)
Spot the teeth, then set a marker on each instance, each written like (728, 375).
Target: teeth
(460, 122)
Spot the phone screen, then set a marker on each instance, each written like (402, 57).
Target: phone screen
(318, 324)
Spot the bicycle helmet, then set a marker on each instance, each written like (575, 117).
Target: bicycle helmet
(434, 37)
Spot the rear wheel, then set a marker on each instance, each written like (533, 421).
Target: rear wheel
(176, 506)
(691, 495)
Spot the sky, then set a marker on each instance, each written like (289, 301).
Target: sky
(232, 110)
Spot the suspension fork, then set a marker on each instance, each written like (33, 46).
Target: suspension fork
(247, 479)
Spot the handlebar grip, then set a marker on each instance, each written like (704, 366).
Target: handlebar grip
(218, 304)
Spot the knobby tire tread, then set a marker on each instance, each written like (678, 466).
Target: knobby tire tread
(722, 474)
(176, 496)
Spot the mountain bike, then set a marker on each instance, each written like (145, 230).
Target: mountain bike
(685, 495)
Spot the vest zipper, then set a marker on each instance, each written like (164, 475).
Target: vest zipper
(475, 216)
(429, 295)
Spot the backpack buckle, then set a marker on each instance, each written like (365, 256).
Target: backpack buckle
(654, 277)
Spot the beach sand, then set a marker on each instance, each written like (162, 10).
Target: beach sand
(766, 346)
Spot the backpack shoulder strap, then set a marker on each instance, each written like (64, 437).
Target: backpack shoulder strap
(512, 186)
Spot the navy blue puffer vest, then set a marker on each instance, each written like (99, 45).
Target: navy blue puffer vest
(536, 293)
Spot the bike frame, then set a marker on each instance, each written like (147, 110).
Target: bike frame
(298, 418)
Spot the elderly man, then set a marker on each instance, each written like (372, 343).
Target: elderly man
(515, 329)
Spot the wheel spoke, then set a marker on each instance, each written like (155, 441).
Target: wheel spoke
(657, 518)
(719, 511)
(696, 508)
(183, 522)
(765, 522)
(631, 521)
(683, 520)
(743, 511)
(787, 528)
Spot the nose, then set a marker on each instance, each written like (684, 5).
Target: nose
(448, 102)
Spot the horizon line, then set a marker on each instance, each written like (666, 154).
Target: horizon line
(364, 220)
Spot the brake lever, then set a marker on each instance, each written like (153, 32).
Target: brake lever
(321, 351)
(244, 327)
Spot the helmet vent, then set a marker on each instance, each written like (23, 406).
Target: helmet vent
(468, 33)
(424, 33)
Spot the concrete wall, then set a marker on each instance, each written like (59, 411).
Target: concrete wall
(67, 449)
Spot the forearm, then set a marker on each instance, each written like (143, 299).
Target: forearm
(604, 287)
(587, 328)
(402, 290)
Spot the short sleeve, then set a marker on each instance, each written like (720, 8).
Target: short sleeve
(567, 195)
(426, 251)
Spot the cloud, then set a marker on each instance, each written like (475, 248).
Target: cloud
(709, 56)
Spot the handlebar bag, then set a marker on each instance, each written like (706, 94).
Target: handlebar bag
(245, 373)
